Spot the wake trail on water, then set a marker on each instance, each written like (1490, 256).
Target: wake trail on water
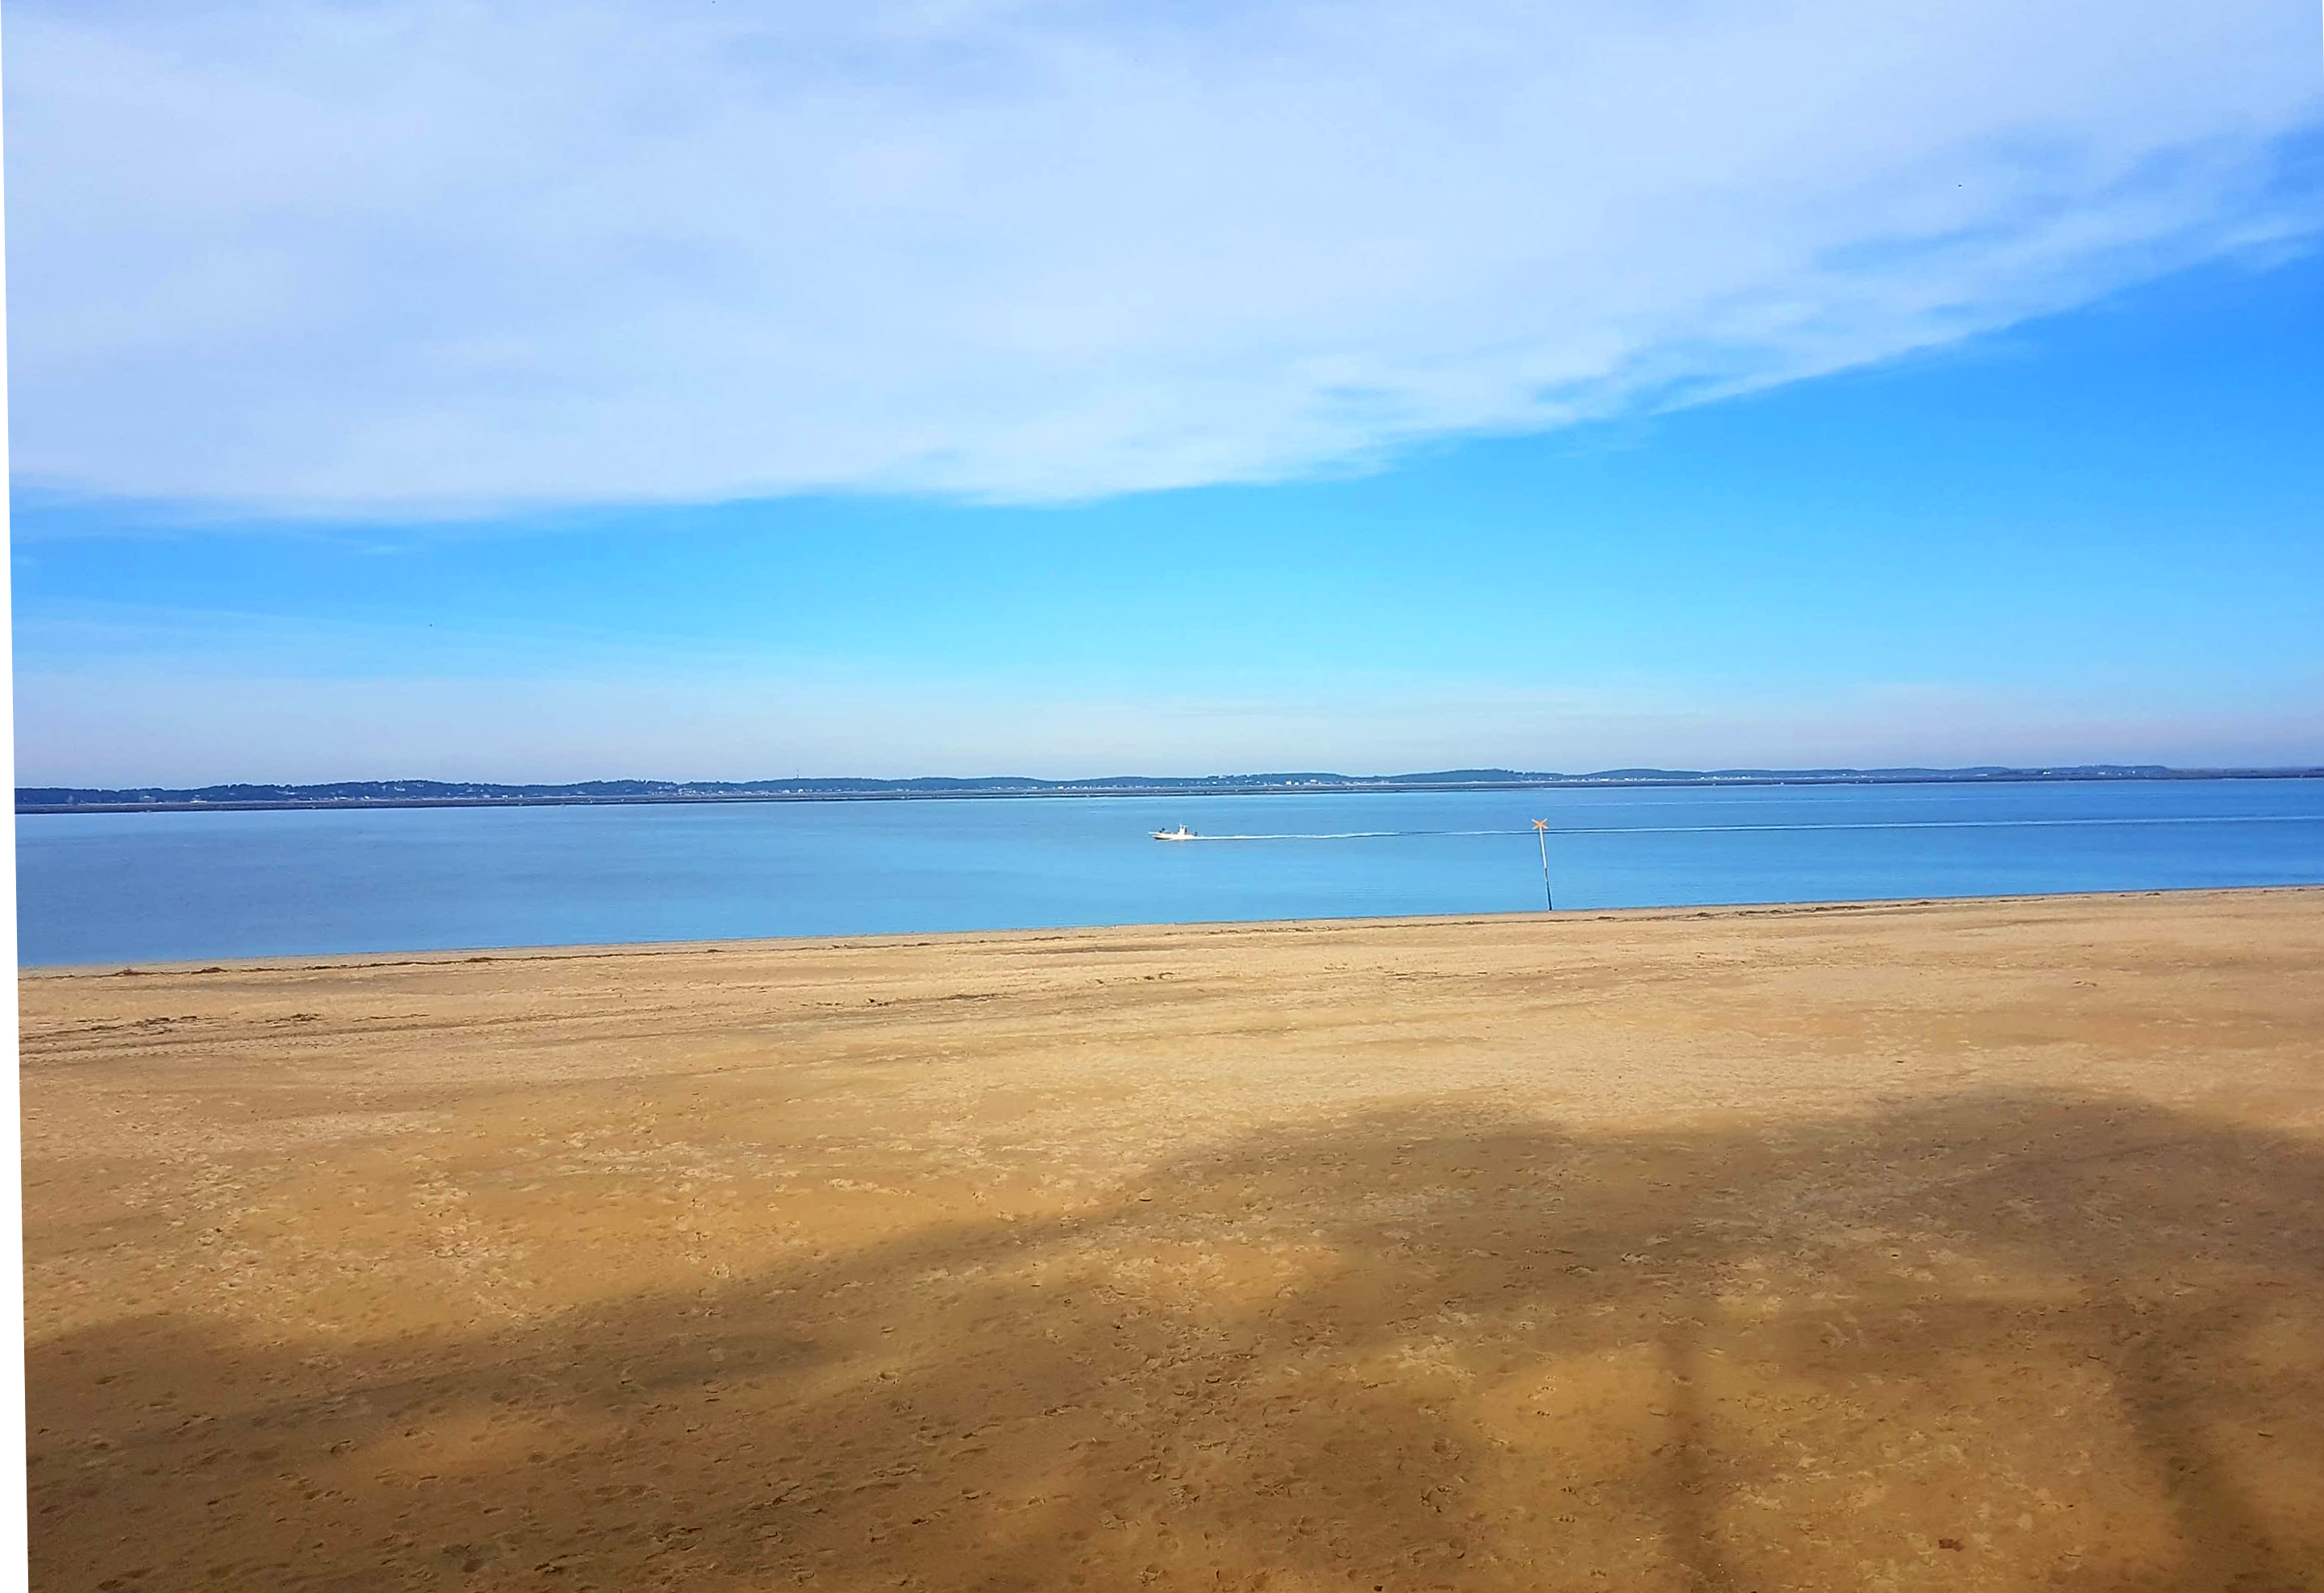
(2240, 819)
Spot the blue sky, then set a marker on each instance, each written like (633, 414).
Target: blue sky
(2030, 479)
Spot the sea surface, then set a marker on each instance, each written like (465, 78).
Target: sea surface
(124, 888)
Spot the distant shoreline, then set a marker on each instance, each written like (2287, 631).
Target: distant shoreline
(412, 794)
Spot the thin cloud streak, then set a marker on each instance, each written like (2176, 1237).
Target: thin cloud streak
(424, 257)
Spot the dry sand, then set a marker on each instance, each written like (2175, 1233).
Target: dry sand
(1973, 1245)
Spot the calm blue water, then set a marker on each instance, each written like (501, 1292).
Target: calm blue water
(106, 888)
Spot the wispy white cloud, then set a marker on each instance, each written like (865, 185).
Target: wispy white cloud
(358, 256)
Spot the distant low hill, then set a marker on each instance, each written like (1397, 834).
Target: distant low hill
(467, 793)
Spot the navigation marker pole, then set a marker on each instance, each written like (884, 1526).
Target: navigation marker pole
(1541, 833)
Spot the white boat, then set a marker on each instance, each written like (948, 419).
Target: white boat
(1180, 834)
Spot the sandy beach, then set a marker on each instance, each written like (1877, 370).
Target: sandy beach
(1942, 1245)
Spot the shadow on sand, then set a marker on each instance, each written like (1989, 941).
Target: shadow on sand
(1996, 1341)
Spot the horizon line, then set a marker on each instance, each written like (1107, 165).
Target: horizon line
(423, 792)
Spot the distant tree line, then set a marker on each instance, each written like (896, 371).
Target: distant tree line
(465, 793)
